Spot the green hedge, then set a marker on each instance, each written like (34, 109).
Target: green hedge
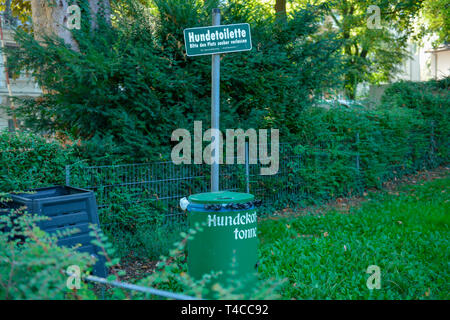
(131, 85)
(431, 99)
(29, 160)
(388, 143)
(408, 131)
(35, 268)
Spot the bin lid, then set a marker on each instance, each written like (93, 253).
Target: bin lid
(219, 197)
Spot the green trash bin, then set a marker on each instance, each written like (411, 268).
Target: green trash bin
(228, 238)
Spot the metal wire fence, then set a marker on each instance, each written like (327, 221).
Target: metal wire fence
(318, 172)
(166, 182)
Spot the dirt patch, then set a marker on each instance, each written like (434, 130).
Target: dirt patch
(418, 178)
(135, 269)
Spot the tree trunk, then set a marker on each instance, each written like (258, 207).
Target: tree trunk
(102, 6)
(350, 84)
(280, 9)
(50, 18)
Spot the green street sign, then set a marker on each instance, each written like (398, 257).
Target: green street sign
(217, 39)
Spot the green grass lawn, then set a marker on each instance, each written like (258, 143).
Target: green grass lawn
(326, 257)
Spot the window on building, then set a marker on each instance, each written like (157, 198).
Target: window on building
(13, 46)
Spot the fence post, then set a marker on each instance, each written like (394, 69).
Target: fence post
(357, 152)
(432, 144)
(67, 175)
(358, 165)
(247, 169)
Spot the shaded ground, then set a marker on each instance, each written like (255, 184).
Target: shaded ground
(139, 268)
(136, 269)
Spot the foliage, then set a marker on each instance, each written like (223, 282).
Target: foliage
(29, 160)
(344, 151)
(123, 213)
(148, 241)
(36, 267)
(436, 14)
(172, 275)
(432, 100)
(326, 256)
(372, 52)
(20, 9)
(131, 84)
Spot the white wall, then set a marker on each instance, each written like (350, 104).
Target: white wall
(411, 67)
(426, 63)
(440, 64)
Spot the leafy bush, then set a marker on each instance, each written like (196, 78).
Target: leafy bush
(29, 160)
(148, 241)
(388, 142)
(432, 100)
(131, 84)
(36, 268)
(122, 213)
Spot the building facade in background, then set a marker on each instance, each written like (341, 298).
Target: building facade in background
(24, 86)
(426, 62)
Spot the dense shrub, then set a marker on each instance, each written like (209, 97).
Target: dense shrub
(36, 268)
(29, 160)
(432, 100)
(131, 84)
(409, 131)
(387, 142)
(147, 241)
(124, 212)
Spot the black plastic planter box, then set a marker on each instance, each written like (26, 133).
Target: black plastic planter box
(67, 208)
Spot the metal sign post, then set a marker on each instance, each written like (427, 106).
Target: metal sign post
(214, 40)
(215, 110)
